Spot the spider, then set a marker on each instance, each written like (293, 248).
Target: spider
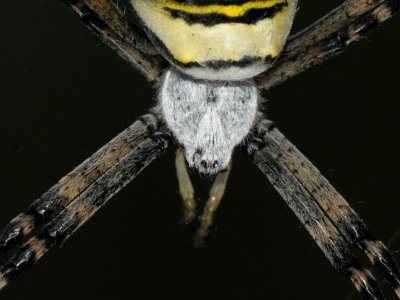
(268, 200)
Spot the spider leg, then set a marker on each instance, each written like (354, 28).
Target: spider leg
(58, 230)
(216, 193)
(187, 193)
(74, 183)
(185, 187)
(105, 19)
(343, 16)
(328, 37)
(267, 155)
(335, 206)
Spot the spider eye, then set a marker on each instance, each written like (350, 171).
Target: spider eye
(218, 39)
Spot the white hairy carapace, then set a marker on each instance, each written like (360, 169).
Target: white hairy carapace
(220, 45)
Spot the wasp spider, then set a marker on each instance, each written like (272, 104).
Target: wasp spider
(269, 150)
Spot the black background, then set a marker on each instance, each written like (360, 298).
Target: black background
(63, 94)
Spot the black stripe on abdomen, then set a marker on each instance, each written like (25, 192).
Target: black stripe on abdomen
(215, 2)
(246, 61)
(252, 16)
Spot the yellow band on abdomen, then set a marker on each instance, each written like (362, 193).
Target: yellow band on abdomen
(236, 10)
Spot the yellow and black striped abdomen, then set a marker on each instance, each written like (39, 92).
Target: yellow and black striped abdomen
(218, 39)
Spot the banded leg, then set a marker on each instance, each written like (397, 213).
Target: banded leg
(328, 37)
(185, 187)
(267, 157)
(335, 206)
(343, 16)
(216, 193)
(82, 209)
(106, 20)
(73, 184)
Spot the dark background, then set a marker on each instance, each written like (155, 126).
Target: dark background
(63, 94)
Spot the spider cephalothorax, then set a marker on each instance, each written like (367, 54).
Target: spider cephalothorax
(208, 118)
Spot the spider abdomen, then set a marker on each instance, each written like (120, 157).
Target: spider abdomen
(218, 39)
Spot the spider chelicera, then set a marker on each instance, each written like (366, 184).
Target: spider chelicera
(289, 100)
